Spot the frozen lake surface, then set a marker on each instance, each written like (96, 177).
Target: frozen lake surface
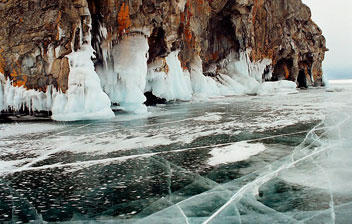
(249, 159)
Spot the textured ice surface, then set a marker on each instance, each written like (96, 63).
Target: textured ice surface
(153, 168)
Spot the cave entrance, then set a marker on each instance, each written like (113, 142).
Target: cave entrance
(222, 39)
(153, 100)
(283, 70)
(157, 44)
(302, 79)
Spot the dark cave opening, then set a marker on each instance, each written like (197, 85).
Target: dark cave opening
(283, 70)
(157, 44)
(153, 100)
(302, 79)
(223, 37)
(222, 40)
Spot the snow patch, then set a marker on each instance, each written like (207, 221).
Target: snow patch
(239, 151)
(273, 88)
(209, 117)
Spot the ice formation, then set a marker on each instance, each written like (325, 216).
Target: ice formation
(125, 80)
(240, 76)
(85, 99)
(19, 98)
(175, 85)
(203, 87)
(125, 76)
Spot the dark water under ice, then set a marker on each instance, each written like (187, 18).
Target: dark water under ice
(292, 164)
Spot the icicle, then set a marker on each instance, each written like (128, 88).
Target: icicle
(175, 85)
(125, 81)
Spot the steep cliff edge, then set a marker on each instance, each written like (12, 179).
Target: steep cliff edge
(174, 50)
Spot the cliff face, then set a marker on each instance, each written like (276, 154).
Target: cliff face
(277, 38)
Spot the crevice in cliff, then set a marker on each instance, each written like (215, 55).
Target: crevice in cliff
(97, 19)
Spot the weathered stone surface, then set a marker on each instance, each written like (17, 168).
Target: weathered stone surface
(35, 35)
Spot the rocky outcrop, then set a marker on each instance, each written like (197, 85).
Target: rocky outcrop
(36, 36)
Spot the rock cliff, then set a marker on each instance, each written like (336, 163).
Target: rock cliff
(139, 44)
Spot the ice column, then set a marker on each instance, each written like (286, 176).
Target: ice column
(85, 99)
(130, 68)
(203, 87)
(175, 85)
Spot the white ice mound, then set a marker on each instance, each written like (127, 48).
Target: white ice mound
(274, 88)
(236, 152)
(175, 85)
(85, 99)
(203, 86)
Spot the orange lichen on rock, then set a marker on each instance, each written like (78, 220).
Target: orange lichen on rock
(258, 54)
(287, 72)
(58, 25)
(18, 80)
(21, 82)
(123, 18)
(2, 62)
(256, 5)
(187, 26)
